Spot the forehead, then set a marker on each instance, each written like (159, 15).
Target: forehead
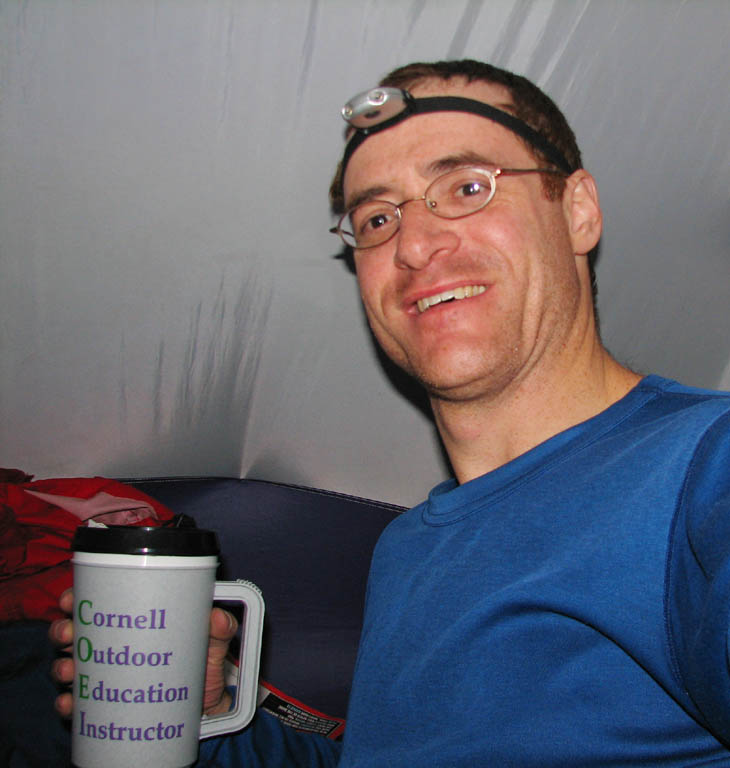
(415, 145)
(491, 93)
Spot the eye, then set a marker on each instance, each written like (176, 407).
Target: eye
(471, 188)
(459, 193)
(377, 221)
(370, 217)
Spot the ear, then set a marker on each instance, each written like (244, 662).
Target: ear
(582, 211)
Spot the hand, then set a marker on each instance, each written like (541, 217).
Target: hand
(223, 627)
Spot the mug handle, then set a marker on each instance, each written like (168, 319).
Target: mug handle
(248, 668)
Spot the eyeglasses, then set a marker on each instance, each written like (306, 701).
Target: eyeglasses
(451, 196)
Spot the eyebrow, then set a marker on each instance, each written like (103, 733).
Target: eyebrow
(458, 160)
(434, 168)
(371, 193)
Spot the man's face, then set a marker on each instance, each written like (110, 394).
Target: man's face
(516, 253)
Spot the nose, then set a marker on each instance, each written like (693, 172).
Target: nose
(422, 236)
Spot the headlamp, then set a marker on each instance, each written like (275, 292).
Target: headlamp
(375, 110)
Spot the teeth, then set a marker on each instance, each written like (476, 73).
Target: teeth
(462, 292)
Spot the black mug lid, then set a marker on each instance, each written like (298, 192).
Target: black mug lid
(141, 540)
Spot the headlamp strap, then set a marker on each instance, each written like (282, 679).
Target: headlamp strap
(459, 104)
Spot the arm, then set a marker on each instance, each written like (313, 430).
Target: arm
(698, 591)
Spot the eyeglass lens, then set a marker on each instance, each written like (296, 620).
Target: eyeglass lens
(455, 194)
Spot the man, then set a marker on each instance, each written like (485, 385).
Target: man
(564, 600)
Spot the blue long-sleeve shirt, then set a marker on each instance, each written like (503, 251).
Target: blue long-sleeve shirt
(569, 608)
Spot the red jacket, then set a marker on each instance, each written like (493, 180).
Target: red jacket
(37, 523)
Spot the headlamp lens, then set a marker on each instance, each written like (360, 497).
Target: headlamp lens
(374, 107)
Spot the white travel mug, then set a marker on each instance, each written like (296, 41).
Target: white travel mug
(142, 601)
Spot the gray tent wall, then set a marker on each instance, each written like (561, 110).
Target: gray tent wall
(170, 300)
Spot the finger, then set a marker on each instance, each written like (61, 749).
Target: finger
(66, 601)
(221, 706)
(61, 632)
(222, 628)
(223, 625)
(64, 704)
(62, 670)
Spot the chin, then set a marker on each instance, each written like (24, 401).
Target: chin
(467, 377)
(458, 369)
(465, 385)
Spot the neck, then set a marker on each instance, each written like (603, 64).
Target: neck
(484, 433)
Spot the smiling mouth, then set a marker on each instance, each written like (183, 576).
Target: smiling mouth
(456, 294)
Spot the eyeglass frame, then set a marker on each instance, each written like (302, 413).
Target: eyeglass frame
(492, 175)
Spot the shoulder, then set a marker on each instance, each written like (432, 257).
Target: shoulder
(677, 396)
(698, 565)
(685, 413)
